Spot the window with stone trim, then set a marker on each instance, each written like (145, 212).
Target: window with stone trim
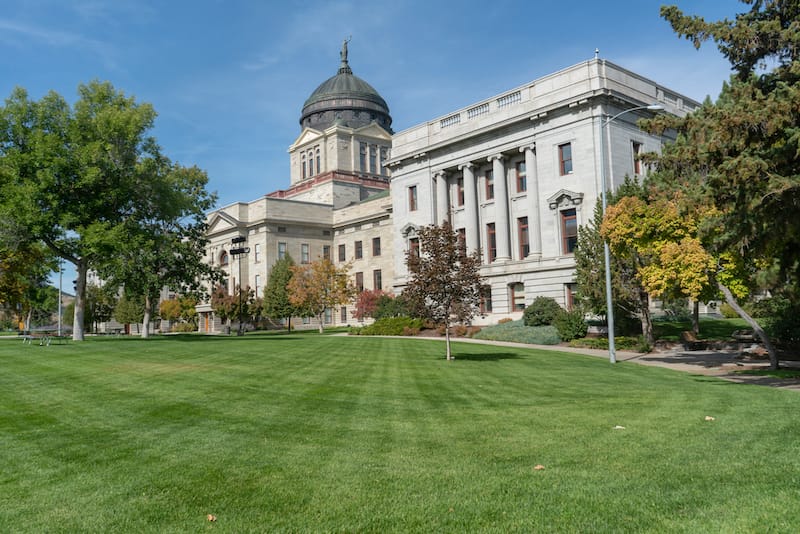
(565, 158)
(491, 243)
(636, 148)
(305, 255)
(460, 191)
(360, 281)
(489, 182)
(377, 279)
(359, 250)
(281, 250)
(412, 198)
(376, 246)
(569, 231)
(342, 253)
(326, 252)
(319, 161)
(522, 177)
(517, 296)
(524, 241)
(486, 299)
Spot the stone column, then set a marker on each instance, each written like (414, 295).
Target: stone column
(442, 198)
(534, 210)
(501, 207)
(471, 208)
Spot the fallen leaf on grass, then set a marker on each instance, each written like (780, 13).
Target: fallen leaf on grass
(618, 427)
(709, 418)
(211, 517)
(538, 467)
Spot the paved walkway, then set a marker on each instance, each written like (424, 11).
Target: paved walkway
(722, 364)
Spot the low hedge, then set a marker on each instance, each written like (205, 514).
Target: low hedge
(517, 332)
(390, 326)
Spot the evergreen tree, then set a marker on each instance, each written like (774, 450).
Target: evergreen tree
(277, 304)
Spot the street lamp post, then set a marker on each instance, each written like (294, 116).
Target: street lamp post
(612, 351)
(238, 252)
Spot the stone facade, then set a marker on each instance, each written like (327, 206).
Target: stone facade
(517, 174)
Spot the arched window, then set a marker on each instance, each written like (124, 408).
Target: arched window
(304, 166)
(223, 258)
(319, 166)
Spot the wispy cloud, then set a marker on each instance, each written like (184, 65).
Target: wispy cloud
(27, 36)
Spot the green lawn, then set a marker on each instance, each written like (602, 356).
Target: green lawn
(710, 328)
(309, 433)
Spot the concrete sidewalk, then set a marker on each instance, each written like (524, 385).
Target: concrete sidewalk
(721, 364)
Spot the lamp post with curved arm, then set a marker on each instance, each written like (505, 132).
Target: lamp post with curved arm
(612, 351)
(238, 252)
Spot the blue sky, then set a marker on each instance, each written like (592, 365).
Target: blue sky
(229, 78)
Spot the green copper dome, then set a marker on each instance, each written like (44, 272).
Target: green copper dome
(345, 99)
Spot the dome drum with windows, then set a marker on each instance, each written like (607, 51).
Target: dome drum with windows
(345, 100)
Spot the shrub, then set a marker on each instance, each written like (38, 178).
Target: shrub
(727, 311)
(183, 327)
(570, 325)
(542, 311)
(621, 343)
(505, 320)
(393, 326)
(517, 332)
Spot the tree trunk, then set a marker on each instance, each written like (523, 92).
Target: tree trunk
(80, 300)
(321, 326)
(146, 317)
(774, 364)
(28, 319)
(447, 340)
(696, 317)
(646, 319)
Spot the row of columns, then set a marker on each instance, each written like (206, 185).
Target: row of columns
(501, 198)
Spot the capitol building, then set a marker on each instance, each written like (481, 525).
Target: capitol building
(515, 174)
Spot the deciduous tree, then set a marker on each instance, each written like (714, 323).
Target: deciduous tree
(319, 286)
(444, 283)
(277, 304)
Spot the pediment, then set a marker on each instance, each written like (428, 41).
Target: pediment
(220, 222)
(409, 230)
(564, 198)
(308, 135)
(373, 130)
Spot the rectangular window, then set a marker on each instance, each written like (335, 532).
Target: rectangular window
(328, 318)
(489, 185)
(359, 250)
(326, 252)
(491, 243)
(413, 246)
(462, 240)
(522, 177)
(319, 161)
(281, 250)
(571, 289)
(362, 156)
(376, 246)
(258, 286)
(460, 192)
(522, 232)
(565, 158)
(486, 299)
(377, 280)
(305, 256)
(373, 159)
(258, 252)
(384, 157)
(517, 291)
(343, 314)
(637, 152)
(412, 198)
(342, 253)
(305, 175)
(310, 163)
(569, 231)
(360, 281)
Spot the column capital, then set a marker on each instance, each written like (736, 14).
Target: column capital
(531, 147)
(466, 165)
(441, 173)
(498, 157)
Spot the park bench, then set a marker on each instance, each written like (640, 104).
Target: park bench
(743, 338)
(690, 341)
(29, 337)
